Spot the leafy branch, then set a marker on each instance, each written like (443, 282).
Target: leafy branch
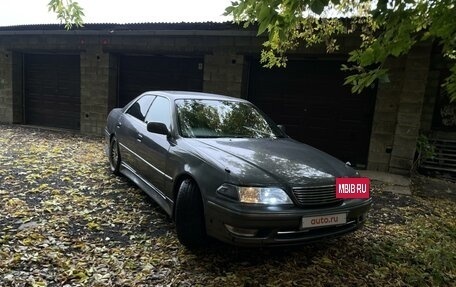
(68, 12)
(386, 29)
(425, 150)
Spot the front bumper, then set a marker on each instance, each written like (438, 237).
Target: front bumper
(280, 225)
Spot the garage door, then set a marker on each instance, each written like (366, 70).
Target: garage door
(309, 98)
(52, 90)
(148, 73)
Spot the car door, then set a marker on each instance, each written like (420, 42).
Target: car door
(127, 131)
(155, 146)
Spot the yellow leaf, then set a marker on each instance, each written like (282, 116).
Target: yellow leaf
(93, 225)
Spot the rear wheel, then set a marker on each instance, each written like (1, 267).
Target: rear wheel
(114, 156)
(189, 216)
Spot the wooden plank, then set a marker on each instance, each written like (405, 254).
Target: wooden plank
(441, 162)
(439, 168)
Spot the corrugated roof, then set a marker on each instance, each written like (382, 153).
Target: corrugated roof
(129, 26)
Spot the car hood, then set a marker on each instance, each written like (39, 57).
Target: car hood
(272, 161)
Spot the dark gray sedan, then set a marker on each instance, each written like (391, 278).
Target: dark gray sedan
(221, 168)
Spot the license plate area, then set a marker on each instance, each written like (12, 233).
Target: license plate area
(323, 220)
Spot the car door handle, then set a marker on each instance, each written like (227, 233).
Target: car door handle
(139, 138)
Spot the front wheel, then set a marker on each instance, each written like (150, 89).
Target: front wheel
(114, 156)
(189, 216)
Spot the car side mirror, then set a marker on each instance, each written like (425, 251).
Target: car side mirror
(158, 128)
(282, 128)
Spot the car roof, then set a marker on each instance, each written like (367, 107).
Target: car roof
(177, 95)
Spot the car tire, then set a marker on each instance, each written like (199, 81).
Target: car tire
(114, 156)
(189, 216)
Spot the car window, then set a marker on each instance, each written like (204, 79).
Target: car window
(140, 107)
(220, 118)
(159, 112)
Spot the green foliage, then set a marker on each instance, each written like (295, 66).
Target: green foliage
(386, 29)
(68, 12)
(450, 83)
(425, 149)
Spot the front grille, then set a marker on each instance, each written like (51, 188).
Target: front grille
(314, 196)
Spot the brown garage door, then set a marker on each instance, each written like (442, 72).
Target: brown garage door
(147, 73)
(52, 90)
(309, 98)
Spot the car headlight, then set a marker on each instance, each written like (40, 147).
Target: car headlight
(259, 195)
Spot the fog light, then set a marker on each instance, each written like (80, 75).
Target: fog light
(246, 232)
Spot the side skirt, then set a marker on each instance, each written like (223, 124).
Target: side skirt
(165, 203)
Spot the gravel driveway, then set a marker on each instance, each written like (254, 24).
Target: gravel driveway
(65, 220)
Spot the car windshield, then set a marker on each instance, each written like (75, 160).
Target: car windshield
(223, 119)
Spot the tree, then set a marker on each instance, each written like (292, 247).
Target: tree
(387, 28)
(68, 12)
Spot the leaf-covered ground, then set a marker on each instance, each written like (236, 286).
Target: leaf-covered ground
(65, 220)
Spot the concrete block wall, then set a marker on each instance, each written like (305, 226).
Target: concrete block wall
(6, 87)
(99, 67)
(223, 74)
(17, 84)
(410, 109)
(11, 67)
(398, 112)
(113, 82)
(95, 70)
(223, 66)
(385, 117)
